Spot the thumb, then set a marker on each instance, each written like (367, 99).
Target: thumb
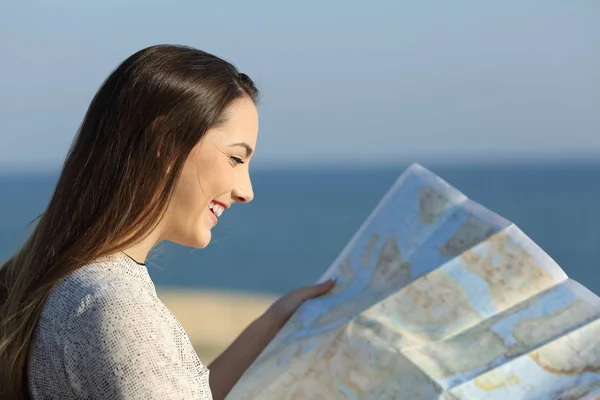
(316, 290)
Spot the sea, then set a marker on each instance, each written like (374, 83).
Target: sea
(301, 218)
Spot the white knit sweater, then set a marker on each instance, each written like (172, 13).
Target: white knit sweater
(104, 334)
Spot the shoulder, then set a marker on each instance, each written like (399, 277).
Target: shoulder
(106, 297)
(118, 342)
(107, 273)
(99, 288)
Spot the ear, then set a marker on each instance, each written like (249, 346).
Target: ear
(152, 127)
(156, 121)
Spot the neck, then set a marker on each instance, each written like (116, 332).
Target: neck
(139, 251)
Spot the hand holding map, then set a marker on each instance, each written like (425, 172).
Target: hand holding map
(437, 297)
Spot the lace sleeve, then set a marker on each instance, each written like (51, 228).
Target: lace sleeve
(119, 346)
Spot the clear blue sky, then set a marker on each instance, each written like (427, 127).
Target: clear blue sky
(342, 81)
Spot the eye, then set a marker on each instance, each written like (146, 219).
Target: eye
(237, 160)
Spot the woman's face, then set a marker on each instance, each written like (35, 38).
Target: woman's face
(214, 176)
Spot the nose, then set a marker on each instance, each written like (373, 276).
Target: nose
(243, 192)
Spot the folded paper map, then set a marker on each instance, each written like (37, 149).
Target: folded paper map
(437, 297)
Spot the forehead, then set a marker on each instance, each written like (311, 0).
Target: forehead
(241, 123)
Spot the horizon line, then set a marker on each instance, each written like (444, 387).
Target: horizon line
(297, 164)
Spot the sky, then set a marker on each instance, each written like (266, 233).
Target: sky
(342, 82)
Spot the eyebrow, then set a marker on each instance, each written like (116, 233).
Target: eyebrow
(246, 146)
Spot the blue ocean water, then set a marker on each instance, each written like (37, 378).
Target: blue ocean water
(302, 218)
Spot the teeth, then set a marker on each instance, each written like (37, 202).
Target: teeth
(216, 208)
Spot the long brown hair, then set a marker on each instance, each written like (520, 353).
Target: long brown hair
(116, 181)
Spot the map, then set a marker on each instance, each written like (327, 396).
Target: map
(437, 297)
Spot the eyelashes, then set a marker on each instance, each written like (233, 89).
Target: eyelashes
(236, 160)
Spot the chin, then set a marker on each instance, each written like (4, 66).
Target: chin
(202, 244)
(195, 233)
(198, 241)
(202, 241)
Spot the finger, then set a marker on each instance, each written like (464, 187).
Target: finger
(316, 290)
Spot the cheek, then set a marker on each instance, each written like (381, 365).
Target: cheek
(190, 194)
(216, 179)
(200, 183)
(208, 182)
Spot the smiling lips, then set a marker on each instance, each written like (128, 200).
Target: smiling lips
(216, 210)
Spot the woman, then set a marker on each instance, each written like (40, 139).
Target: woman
(162, 152)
